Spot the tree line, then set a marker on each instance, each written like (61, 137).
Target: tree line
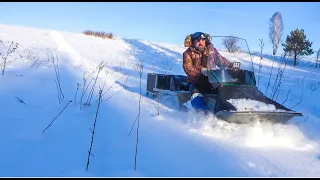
(296, 43)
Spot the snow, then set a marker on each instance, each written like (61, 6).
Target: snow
(252, 105)
(171, 143)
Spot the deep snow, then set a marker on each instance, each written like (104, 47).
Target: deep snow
(173, 143)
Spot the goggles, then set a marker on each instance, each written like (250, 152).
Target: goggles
(198, 36)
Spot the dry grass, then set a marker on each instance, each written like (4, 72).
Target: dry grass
(100, 34)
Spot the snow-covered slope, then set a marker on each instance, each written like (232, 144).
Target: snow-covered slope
(47, 71)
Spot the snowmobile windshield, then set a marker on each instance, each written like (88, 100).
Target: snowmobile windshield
(236, 51)
(232, 77)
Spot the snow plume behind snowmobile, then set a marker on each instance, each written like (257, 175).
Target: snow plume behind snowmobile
(235, 95)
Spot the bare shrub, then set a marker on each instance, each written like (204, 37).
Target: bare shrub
(110, 35)
(98, 69)
(278, 80)
(93, 131)
(140, 67)
(55, 62)
(57, 116)
(261, 45)
(6, 52)
(99, 34)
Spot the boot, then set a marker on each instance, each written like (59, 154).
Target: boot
(198, 103)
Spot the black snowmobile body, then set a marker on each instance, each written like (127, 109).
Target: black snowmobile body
(227, 84)
(241, 84)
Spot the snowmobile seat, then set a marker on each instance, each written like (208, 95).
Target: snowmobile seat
(180, 83)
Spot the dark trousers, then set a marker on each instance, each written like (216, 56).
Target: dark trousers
(202, 86)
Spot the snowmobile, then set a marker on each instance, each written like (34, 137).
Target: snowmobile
(227, 85)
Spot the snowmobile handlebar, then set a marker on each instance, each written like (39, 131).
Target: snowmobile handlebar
(235, 66)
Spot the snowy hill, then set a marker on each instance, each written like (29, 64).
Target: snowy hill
(43, 84)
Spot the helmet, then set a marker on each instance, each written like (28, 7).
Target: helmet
(198, 35)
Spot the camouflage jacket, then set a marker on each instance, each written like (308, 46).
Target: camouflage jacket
(193, 61)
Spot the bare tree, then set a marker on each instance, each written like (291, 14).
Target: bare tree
(275, 30)
(231, 43)
(317, 61)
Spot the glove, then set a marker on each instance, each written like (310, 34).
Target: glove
(204, 71)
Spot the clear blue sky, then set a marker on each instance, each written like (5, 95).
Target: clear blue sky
(167, 22)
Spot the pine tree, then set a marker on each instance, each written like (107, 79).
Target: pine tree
(297, 44)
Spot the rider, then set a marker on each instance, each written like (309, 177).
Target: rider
(195, 59)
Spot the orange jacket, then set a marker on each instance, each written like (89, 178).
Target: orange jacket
(193, 61)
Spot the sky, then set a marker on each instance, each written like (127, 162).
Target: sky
(167, 21)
